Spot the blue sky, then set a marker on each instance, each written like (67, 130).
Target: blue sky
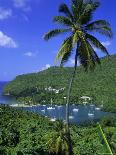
(22, 25)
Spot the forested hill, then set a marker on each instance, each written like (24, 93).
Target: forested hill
(100, 84)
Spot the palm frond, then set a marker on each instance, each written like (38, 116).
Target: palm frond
(75, 12)
(87, 56)
(65, 58)
(105, 31)
(78, 4)
(94, 4)
(100, 26)
(87, 11)
(63, 20)
(97, 24)
(94, 55)
(66, 47)
(95, 42)
(63, 8)
(59, 145)
(54, 33)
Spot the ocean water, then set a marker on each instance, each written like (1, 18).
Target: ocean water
(5, 99)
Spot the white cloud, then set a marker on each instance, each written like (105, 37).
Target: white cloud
(72, 61)
(46, 67)
(23, 4)
(19, 3)
(106, 43)
(5, 13)
(31, 54)
(6, 41)
(25, 18)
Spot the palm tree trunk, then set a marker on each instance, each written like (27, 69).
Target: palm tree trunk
(69, 89)
(68, 97)
(67, 104)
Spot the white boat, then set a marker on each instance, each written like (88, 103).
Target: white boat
(44, 105)
(92, 105)
(53, 119)
(97, 108)
(50, 108)
(43, 110)
(34, 105)
(90, 114)
(60, 106)
(75, 110)
(71, 117)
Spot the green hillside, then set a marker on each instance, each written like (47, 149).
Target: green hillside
(24, 133)
(100, 85)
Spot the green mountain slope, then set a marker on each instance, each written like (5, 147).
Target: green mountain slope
(24, 133)
(100, 85)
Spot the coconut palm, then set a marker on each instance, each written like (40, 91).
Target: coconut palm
(58, 142)
(77, 23)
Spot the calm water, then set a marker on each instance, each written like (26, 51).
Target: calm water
(78, 114)
(5, 99)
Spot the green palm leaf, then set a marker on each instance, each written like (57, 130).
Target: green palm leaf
(96, 43)
(66, 48)
(100, 26)
(54, 33)
(75, 12)
(63, 8)
(63, 20)
(87, 10)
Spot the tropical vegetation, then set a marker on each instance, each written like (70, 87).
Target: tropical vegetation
(25, 133)
(99, 85)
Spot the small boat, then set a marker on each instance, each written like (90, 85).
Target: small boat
(44, 105)
(97, 108)
(92, 105)
(91, 114)
(50, 108)
(43, 110)
(60, 106)
(53, 119)
(75, 110)
(71, 117)
(34, 105)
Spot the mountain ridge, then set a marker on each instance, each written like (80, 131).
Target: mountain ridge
(99, 85)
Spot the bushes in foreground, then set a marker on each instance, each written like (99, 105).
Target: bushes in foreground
(24, 133)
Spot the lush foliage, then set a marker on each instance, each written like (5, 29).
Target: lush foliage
(100, 85)
(23, 133)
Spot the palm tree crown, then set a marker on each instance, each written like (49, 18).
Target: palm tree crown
(78, 22)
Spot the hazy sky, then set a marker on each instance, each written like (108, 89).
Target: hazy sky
(22, 25)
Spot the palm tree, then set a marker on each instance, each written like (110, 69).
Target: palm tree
(77, 22)
(58, 142)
